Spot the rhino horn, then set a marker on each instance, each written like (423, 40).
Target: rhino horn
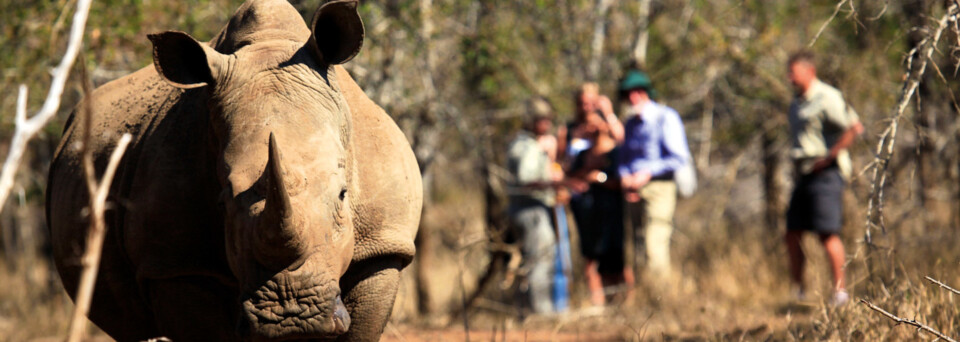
(277, 198)
(277, 228)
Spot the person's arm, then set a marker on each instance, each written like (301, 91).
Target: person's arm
(528, 173)
(616, 127)
(631, 167)
(840, 114)
(549, 144)
(562, 144)
(677, 153)
(627, 156)
(574, 178)
(844, 142)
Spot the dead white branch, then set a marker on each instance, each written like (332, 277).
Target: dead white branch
(885, 146)
(26, 129)
(943, 285)
(898, 320)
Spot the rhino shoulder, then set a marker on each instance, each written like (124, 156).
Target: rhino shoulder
(390, 194)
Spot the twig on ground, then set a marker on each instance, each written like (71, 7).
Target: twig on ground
(393, 330)
(942, 285)
(26, 129)
(898, 320)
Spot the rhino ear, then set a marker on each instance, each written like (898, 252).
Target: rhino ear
(183, 61)
(337, 32)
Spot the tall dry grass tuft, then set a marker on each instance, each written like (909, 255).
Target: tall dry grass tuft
(33, 304)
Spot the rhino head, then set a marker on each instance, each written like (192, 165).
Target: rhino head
(280, 129)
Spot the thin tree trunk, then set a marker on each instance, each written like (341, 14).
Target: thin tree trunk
(599, 34)
(926, 117)
(426, 139)
(771, 181)
(706, 133)
(643, 34)
(487, 145)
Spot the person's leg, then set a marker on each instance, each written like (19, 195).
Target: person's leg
(799, 217)
(660, 200)
(539, 249)
(835, 254)
(594, 283)
(795, 253)
(635, 250)
(828, 221)
(629, 280)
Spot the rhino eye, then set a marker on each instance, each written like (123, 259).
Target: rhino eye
(343, 193)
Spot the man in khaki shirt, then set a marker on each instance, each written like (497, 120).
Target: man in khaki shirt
(532, 195)
(822, 127)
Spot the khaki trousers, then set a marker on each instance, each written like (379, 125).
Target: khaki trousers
(652, 221)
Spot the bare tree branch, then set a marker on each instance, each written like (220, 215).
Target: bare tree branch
(26, 129)
(97, 192)
(920, 326)
(942, 285)
(885, 146)
(95, 235)
(836, 10)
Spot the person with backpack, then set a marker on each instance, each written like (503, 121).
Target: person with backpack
(654, 148)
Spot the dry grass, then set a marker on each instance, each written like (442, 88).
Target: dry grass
(33, 304)
(734, 283)
(733, 286)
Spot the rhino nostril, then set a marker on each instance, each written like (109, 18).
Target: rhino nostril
(341, 318)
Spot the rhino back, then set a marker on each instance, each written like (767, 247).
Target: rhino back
(387, 207)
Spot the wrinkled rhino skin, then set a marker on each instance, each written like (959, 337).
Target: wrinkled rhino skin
(264, 196)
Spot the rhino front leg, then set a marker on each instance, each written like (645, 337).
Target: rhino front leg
(194, 308)
(368, 291)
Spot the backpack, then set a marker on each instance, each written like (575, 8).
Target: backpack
(686, 179)
(686, 176)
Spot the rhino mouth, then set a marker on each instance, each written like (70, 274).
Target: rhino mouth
(295, 307)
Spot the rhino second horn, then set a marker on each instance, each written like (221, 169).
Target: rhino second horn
(277, 228)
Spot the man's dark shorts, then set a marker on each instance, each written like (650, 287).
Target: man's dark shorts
(817, 202)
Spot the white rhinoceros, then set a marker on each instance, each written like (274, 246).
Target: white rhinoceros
(264, 196)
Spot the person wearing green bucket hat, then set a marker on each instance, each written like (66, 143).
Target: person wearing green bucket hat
(636, 79)
(654, 148)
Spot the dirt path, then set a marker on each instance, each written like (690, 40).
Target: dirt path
(689, 323)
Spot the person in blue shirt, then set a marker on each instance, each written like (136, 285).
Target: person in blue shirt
(655, 145)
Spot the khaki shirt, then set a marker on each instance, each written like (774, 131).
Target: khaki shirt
(818, 119)
(528, 163)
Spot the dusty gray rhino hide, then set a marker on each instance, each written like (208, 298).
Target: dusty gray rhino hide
(264, 196)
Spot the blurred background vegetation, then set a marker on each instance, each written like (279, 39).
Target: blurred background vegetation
(455, 75)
